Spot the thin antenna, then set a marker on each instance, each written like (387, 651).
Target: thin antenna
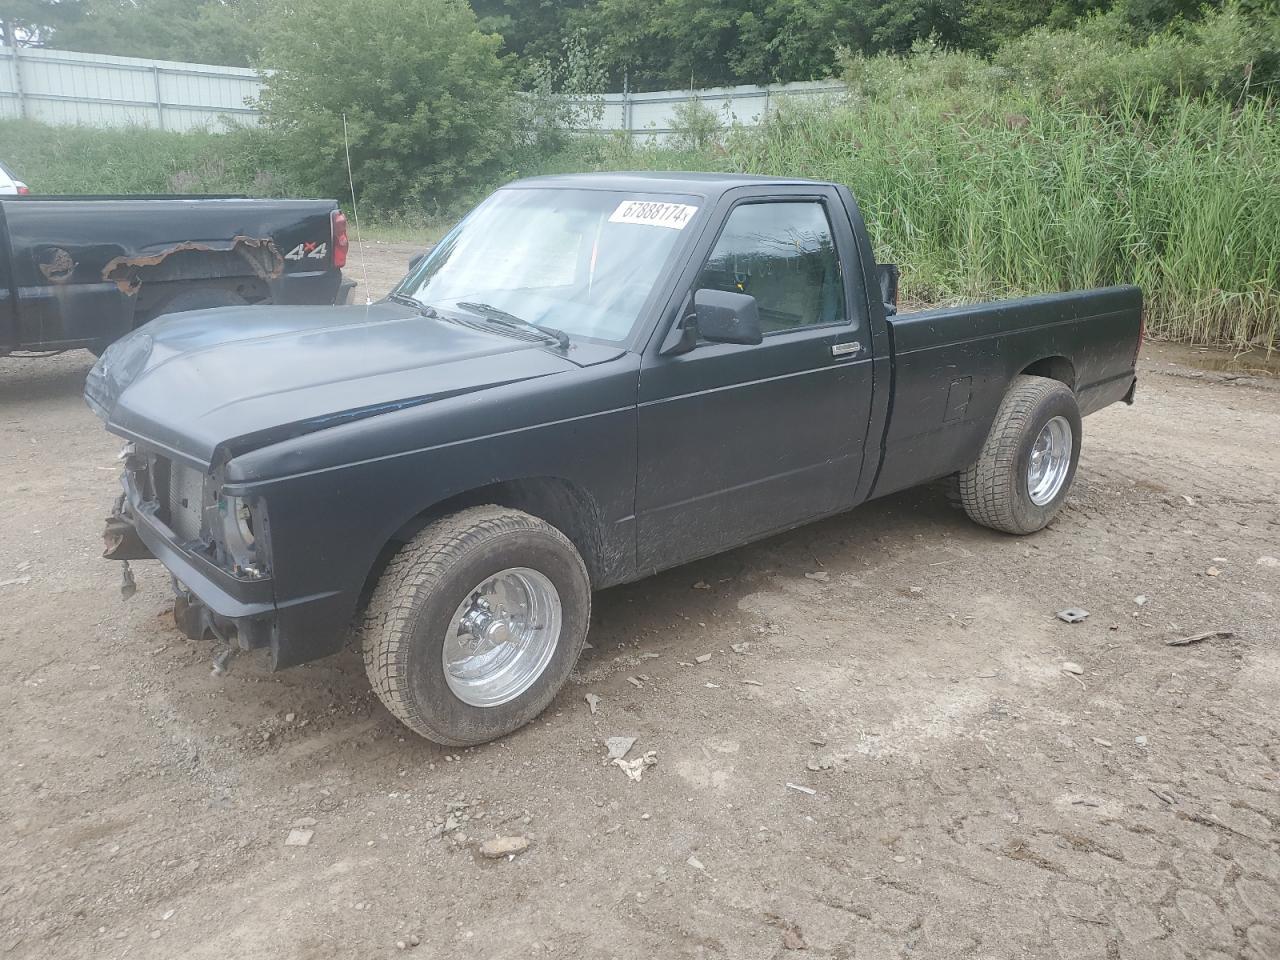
(355, 213)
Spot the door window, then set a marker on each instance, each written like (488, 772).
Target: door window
(783, 254)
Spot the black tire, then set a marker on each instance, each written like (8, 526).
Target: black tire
(994, 490)
(198, 298)
(413, 604)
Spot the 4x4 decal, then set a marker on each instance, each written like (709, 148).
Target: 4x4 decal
(310, 251)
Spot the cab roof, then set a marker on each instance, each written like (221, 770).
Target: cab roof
(643, 181)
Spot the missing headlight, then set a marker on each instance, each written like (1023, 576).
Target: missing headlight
(241, 521)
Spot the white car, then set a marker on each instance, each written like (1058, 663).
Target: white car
(11, 185)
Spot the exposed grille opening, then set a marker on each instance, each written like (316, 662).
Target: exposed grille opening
(186, 501)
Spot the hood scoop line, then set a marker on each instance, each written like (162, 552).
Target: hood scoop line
(229, 449)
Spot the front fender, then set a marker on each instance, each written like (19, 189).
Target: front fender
(329, 526)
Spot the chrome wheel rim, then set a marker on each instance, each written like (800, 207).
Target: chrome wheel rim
(501, 637)
(1050, 461)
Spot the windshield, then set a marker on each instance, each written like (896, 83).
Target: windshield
(581, 261)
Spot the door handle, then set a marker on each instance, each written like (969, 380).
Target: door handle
(845, 349)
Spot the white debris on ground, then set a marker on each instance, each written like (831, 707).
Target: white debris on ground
(618, 747)
(634, 769)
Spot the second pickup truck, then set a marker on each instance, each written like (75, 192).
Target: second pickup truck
(590, 379)
(83, 271)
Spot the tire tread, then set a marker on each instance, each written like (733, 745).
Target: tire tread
(989, 487)
(411, 575)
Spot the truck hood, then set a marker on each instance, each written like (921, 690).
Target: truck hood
(238, 378)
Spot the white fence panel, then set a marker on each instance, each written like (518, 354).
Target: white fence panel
(653, 115)
(65, 87)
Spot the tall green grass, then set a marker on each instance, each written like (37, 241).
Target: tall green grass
(984, 196)
(142, 160)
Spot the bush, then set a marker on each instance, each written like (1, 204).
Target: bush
(1094, 67)
(1097, 66)
(694, 126)
(930, 69)
(428, 104)
(563, 96)
(142, 160)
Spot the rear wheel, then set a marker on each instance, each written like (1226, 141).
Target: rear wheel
(1021, 478)
(197, 298)
(476, 623)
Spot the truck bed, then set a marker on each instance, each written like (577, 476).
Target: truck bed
(951, 367)
(82, 271)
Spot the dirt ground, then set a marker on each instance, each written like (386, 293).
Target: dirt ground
(963, 794)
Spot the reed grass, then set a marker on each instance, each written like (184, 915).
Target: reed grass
(983, 197)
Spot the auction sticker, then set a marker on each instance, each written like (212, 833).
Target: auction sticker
(654, 213)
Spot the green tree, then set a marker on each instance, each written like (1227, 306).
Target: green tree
(427, 101)
(33, 23)
(682, 43)
(676, 43)
(986, 24)
(530, 29)
(202, 31)
(790, 40)
(653, 43)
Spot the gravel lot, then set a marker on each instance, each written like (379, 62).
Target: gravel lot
(965, 795)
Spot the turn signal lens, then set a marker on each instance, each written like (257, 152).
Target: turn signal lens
(340, 242)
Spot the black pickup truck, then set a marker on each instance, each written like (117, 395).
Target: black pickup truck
(591, 378)
(82, 271)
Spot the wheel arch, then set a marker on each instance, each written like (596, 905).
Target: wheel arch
(563, 504)
(1058, 368)
(154, 296)
(243, 266)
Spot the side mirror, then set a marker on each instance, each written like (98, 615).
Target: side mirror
(414, 261)
(724, 317)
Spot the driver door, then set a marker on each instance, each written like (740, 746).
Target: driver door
(738, 441)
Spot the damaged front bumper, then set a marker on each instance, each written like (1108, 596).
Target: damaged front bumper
(209, 600)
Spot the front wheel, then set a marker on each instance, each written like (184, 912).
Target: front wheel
(1021, 478)
(476, 623)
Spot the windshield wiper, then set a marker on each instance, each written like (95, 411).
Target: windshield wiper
(423, 308)
(498, 315)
